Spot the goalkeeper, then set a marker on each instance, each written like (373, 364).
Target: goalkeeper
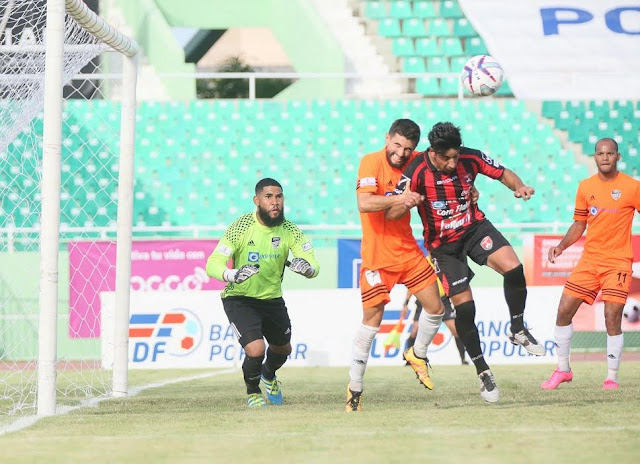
(258, 244)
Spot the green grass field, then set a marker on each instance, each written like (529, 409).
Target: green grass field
(207, 420)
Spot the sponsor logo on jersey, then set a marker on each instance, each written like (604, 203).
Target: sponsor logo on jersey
(307, 246)
(275, 242)
(486, 243)
(448, 180)
(489, 160)
(616, 194)
(439, 204)
(253, 257)
(593, 210)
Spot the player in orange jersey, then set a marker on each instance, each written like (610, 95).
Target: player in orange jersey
(605, 204)
(391, 255)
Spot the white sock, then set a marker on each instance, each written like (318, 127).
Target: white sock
(614, 351)
(562, 337)
(360, 355)
(428, 326)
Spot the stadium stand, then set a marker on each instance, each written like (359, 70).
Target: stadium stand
(428, 36)
(190, 156)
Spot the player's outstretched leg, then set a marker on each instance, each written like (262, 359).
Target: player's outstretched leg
(528, 342)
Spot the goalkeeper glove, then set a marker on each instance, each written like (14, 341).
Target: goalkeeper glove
(301, 266)
(237, 276)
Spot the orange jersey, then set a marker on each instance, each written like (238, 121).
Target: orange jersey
(385, 243)
(608, 208)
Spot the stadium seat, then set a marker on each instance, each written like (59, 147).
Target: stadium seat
(551, 108)
(402, 46)
(400, 9)
(475, 46)
(451, 46)
(428, 86)
(438, 64)
(450, 86)
(450, 9)
(375, 9)
(413, 27)
(438, 27)
(389, 27)
(413, 65)
(424, 9)
(427, 46)
(463, 28)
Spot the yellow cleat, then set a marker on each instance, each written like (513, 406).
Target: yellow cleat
(354, 401)
(420, 367)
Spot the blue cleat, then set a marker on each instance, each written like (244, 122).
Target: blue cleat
(273, 390)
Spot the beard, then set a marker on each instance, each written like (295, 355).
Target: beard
(396, 165)
(268, 220)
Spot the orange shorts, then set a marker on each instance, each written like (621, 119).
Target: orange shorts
(588, 278)
(375, 285)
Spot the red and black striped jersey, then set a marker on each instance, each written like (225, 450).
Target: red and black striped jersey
(447, 211)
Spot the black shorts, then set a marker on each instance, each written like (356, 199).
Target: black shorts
(449, 312)
(253, 319)
(450, 259)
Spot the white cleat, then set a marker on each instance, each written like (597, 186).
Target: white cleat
(488, 388)
(528, 342)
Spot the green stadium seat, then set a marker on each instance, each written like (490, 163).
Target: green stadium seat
(438, 64)
(458, 62)
(450, 9)
(413, 64)
(413, 27)
(551, 108)
(599, 106)
(624, 107)
(450, 86)
(451, 46)
(475, 46)
(438, 27)
(400, 9)
(402, 46)
(463, 28)
(427, 46)
(575, 108)
(428, 86)
(375, 9)
(389, 27)
(424, 9)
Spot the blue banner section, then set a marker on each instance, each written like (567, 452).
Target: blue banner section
(349, 262)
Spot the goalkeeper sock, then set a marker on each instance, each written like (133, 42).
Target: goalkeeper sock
(360, 355)
(273, 362)
(251, 367)
(428, 326)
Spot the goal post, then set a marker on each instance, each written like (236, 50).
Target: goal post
(86, 136)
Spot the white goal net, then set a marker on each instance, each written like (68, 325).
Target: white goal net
(88, 191)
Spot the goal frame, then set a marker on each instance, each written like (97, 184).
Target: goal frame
(51, 175)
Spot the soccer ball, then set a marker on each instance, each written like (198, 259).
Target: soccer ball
(631, 311)
(482, 75)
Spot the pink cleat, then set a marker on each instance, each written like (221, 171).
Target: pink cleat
(610, 385)
(556, 379)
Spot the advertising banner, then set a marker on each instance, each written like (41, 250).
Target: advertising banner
(156, 265)
(540, 272)
(562, 50)
(188, 329)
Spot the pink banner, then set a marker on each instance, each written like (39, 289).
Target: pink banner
(155, 265)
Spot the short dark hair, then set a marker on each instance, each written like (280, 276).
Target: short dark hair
(444, 136)
(406, 128)
(267, 182)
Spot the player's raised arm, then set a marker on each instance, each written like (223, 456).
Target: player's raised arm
(513, 182)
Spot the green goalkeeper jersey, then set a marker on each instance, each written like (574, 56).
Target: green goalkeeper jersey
(246, 241)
